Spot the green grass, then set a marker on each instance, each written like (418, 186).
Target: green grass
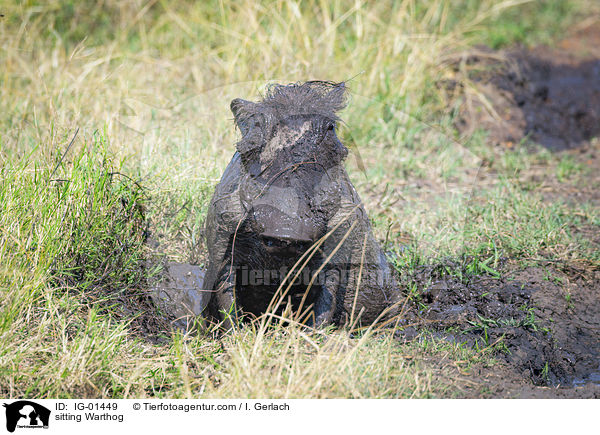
(534, 23)
(148, 89)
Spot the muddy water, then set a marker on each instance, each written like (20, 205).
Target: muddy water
(557, 101)
(592, 378)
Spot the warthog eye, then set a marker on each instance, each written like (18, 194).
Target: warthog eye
(271, 242)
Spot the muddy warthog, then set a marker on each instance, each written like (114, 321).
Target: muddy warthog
(285, 200)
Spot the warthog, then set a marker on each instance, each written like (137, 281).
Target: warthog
(285, 200)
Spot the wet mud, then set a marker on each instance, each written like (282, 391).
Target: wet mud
(525, 318)
(178, 291)
(550, 95)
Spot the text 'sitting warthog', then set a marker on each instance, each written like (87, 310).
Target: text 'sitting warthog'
(284, 197)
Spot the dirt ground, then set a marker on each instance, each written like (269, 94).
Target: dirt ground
(549, 94)
(542, 323)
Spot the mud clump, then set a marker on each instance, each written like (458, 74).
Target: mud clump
(177, 291)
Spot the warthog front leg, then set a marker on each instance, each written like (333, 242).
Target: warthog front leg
(325, 305)
(225, 295)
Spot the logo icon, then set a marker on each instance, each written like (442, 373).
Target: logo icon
(26, 414)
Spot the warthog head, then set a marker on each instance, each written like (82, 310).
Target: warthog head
(288, 146)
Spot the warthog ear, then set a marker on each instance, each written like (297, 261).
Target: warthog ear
(242, 111)
(250, 124)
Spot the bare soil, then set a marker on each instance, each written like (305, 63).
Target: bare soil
(542, 322)
(548, 94)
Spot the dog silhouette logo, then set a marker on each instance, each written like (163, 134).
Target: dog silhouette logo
(26, 414)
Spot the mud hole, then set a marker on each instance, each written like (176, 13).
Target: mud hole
(550, 95)
(542, 323)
